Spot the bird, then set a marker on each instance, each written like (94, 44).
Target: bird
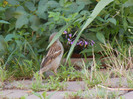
(53, 57)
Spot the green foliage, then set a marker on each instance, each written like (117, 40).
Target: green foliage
(69, 74)
(96, 11)
(26, 25)
(3, 75)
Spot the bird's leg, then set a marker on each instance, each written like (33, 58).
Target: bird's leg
(55, 71)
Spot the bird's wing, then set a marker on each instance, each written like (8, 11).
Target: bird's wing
(53, 52)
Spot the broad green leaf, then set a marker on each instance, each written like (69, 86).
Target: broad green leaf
(22, 20)
(9, 13)
(73, 7)
(90, 36)
(100, 19)
(19, 43)
(84, 1)
(81, 5)
(30, 6)
(101, 4)
(2, 9)
(35, 22)
(128, 3)
(85, 12)
(4, 22)
(100, 37)
(62, 2)
(112, 20)
(42, 7)
(13, 2)
(20, 8)
(9, 37)
(34, 1)
(52, 4)
(19, 12)
(106, 16)
(130, 19)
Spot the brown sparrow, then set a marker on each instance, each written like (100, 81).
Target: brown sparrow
(53, 57)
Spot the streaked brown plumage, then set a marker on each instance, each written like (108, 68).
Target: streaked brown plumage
(53, 57)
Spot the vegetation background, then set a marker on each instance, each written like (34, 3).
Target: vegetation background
(25, 26)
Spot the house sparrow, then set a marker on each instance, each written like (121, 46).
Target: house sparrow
(53, 57)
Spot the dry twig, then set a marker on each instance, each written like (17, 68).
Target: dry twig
(116, 89)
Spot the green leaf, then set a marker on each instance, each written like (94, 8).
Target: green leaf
(35, 22)
(13, 2)
(9, 37)
(101, 4)
(3, 44)
(19, 12)
(106, 16)
(53, 4)
(55, 15)
(19, 43)
(125, 24)
(30, 6)
(9, 13)
(67, 4)
(22, 20)
(84, 1)
(130, 19)
(128, 3)
(100, 37)
(80, 7)
(44, 94)
(112, 20)
(62, 2)
(42, 7)
(2, 9)
(4, 22)
(97, 48)
(73, 7)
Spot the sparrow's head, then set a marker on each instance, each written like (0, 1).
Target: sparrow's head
(52, 36)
